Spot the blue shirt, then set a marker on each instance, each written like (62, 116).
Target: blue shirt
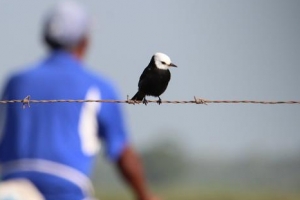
(64, 136)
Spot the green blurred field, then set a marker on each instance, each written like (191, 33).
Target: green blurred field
(173, 176)
(193, 194)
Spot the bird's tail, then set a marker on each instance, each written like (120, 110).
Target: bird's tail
(139, 96)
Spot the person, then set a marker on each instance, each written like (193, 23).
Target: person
(52, 146)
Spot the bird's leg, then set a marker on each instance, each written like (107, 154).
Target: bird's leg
(159, 101)
(145, 101)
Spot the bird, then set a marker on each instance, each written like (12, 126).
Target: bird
(155, 78)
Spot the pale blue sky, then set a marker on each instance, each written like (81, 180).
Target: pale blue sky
(224, 49)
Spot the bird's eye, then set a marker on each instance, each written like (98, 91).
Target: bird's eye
(163, 62)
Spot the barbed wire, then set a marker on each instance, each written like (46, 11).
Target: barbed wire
(26, 101)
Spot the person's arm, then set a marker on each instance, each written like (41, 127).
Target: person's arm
(130, 167)
(113, 132)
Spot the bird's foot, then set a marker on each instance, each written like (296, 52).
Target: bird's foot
(145, 101)
(159, 101)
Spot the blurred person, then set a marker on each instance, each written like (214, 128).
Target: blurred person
(48, 150)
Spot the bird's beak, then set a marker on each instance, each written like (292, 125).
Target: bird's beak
(172, 65)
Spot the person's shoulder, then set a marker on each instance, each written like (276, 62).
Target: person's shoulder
(22, 72)
(17, 78)
(99, 78)
(106, 84)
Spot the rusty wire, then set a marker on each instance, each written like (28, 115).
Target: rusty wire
(26, 101)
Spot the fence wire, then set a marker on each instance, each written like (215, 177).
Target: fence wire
(27, 101)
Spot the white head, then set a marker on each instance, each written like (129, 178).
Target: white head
(162, 61)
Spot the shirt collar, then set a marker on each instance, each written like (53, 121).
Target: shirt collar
(65, 58)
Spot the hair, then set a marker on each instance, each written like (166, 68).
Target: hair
(52, 44)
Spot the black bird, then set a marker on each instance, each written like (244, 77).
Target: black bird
(155, 78)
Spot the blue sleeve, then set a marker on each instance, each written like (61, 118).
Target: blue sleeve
(112, 128)
(3, 111)
(6, 89)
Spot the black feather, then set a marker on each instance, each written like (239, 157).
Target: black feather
(153, 81)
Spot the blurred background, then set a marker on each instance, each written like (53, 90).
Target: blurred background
(225, 50)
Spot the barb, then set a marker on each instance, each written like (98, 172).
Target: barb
(26, 101)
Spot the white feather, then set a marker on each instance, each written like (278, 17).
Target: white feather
(162, 61)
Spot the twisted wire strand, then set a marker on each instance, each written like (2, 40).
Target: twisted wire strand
(26, 101)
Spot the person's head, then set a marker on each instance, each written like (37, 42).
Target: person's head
(66, 27)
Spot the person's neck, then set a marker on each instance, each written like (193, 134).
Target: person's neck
(78, 54)
(80, 50)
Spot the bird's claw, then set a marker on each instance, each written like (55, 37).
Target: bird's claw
(159, 101)
(145, 101)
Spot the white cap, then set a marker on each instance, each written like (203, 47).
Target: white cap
(66, 24)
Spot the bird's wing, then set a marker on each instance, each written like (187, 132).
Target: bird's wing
(145, 75)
